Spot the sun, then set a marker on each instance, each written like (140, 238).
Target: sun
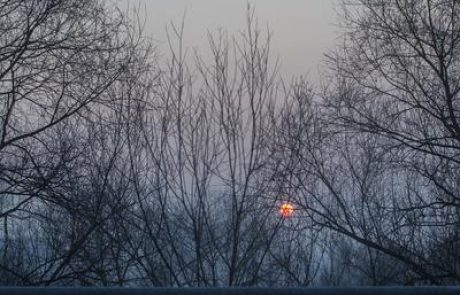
(286, 210)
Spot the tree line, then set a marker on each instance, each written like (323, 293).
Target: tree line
(124, 166)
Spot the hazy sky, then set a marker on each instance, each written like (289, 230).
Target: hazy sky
(302, 29)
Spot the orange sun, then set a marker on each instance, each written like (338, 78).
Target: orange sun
(286, 210)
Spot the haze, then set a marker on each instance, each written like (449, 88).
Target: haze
(302, 29)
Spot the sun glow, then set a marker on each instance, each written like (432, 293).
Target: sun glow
(286, 210)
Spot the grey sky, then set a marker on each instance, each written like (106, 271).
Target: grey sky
(303, 29)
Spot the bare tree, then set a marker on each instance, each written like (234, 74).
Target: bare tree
(383, 167)
(208, 204)
(65, 67)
